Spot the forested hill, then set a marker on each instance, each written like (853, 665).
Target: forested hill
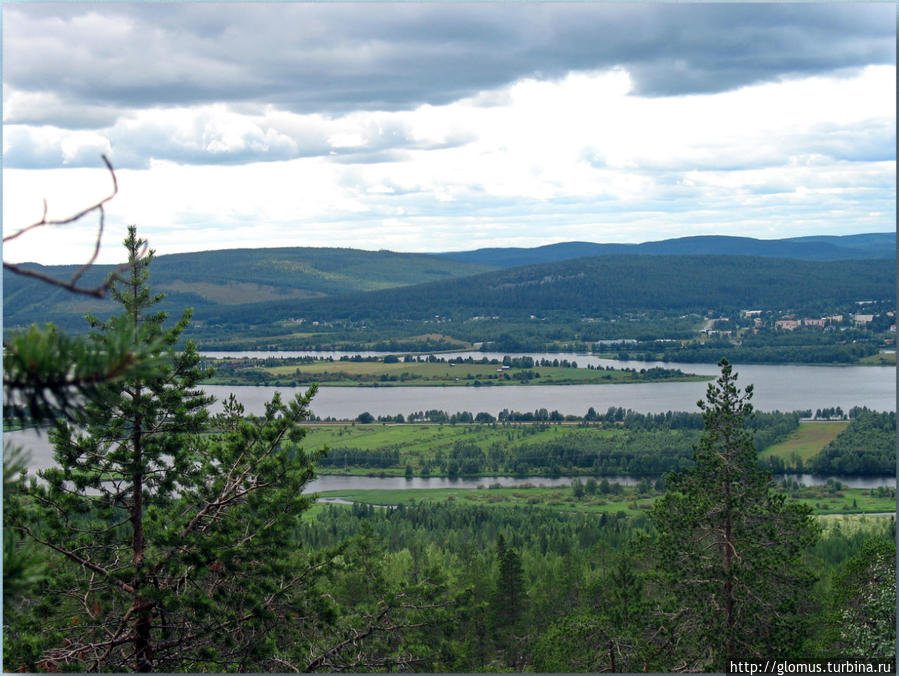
(233, 277)
(260, 286)
(815, 248)
(604, 286)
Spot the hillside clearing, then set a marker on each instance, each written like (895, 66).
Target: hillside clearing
(806, 441)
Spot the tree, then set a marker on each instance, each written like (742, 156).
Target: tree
(729, 548)
(507, 604)
(577, 488)
(169, 533)
(509, 594)
(48, 375)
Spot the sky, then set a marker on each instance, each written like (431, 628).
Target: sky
(444, 126)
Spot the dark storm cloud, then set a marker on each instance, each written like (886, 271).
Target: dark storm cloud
(335, 58)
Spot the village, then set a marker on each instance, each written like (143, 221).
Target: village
(869, 316)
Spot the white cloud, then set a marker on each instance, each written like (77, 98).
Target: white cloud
(579, 157)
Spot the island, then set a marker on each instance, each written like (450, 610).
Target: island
(428, 370)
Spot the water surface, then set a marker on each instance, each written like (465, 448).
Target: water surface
(777, 387)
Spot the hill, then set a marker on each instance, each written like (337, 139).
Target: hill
(815, 248)
(234, 277)
(875, 245)
(345, 298)
(604, 286)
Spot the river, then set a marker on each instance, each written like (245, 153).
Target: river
(777, 387)
(40, 457)
(782, 387)
(344, 483)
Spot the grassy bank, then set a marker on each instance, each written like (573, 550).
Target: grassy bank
(632, 500)
(554, 498)
(881, 359)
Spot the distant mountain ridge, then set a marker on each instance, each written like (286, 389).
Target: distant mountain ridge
(812, 248)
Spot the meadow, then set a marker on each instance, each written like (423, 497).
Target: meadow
(425, 440)
(806, 441)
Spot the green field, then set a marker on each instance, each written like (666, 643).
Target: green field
(807, 441)
(371, 373)
(424, 441)
(822, 500)
(846, 501)
(882, 359)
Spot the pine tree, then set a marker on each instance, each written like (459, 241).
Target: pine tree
(509, 592)
(49, 374)
(169, 533)
(507, 605)
(729, 548)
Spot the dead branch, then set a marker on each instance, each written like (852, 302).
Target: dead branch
(325, 658)
(286, 664)
(72, 284)
(90, 565)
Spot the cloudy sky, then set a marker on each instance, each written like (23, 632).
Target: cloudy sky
(446, 126)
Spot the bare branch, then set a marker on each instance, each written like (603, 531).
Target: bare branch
(286, 664)
(72, 284)
(71, 219)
